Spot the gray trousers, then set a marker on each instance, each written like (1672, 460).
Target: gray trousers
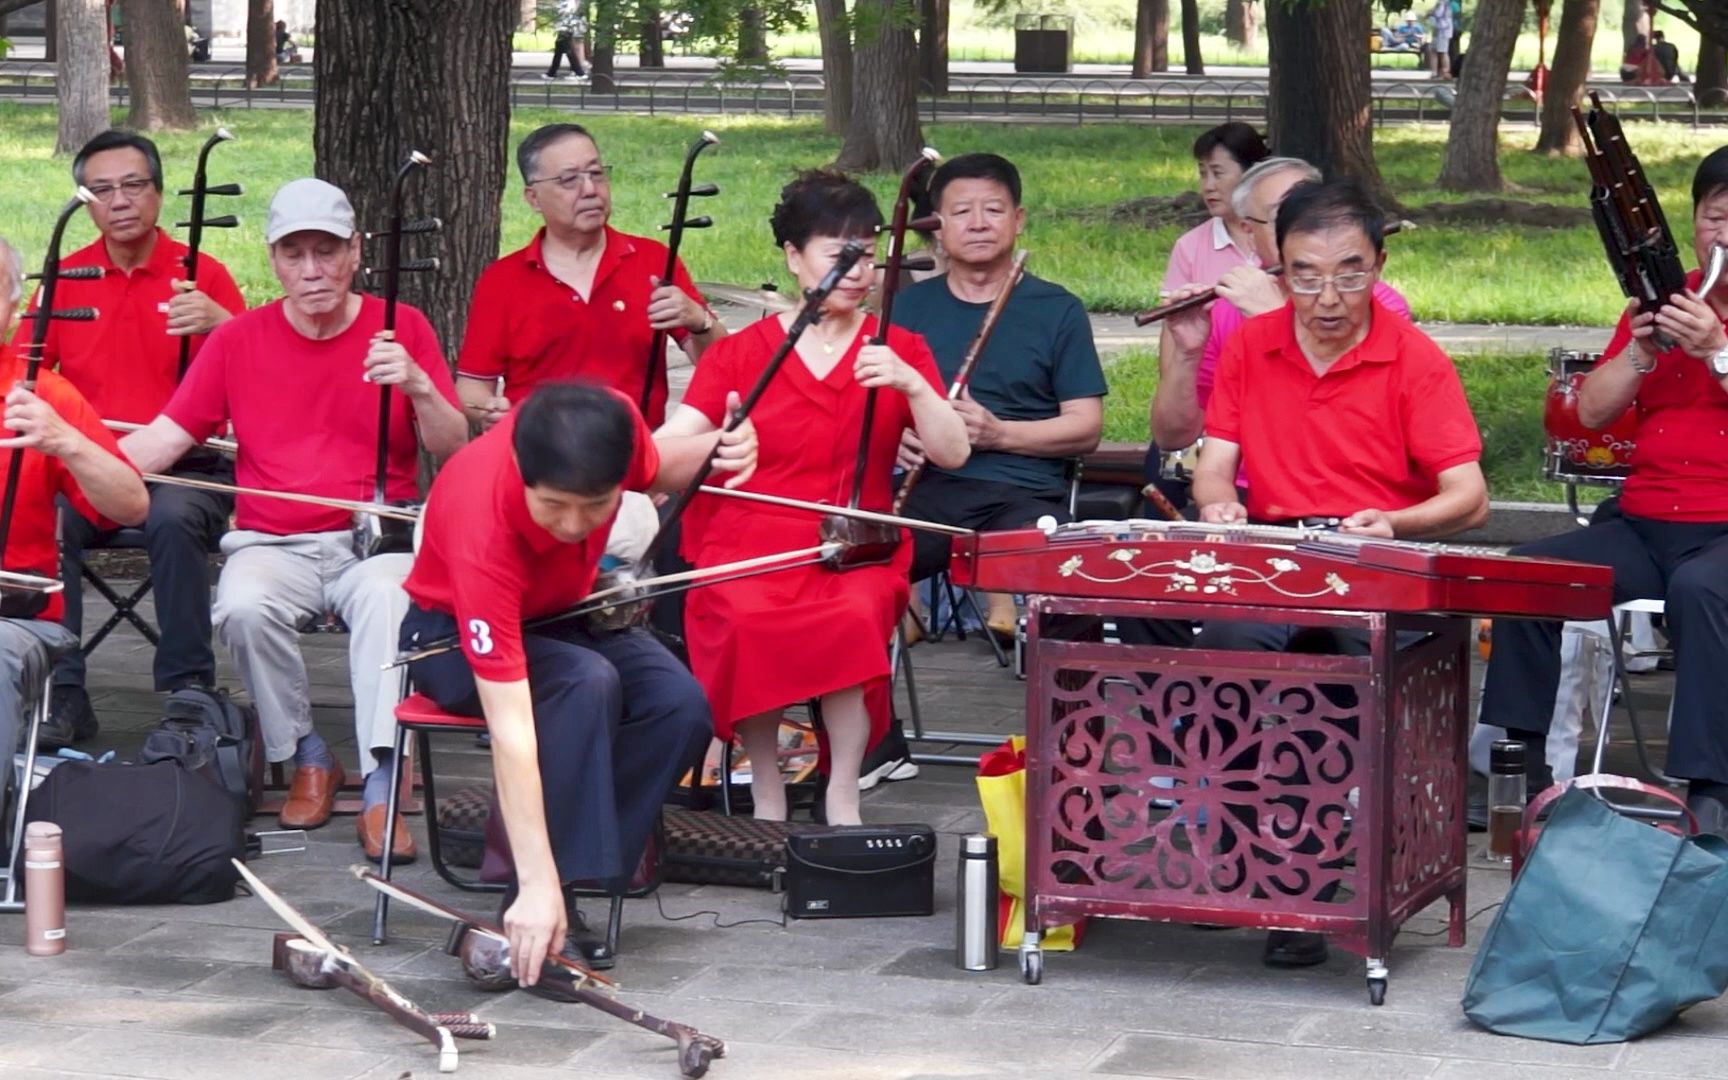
(28, 649)
(269, 587)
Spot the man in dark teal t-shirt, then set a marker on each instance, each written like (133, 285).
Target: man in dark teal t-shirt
(1035, 399)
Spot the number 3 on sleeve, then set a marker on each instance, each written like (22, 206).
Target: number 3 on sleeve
(481, 641)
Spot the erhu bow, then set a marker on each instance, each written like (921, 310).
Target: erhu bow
(200, 190)
(619, 599)
(372, 534)
(1630, 221)
(680, 208)
(869, 544)
(24, 595)
(1163, 311)
(964, 374)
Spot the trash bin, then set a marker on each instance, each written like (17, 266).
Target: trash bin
(1043, 43)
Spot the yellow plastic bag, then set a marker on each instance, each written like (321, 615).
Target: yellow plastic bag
(1002, 791)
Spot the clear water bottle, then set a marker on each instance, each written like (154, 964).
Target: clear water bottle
(1506, 795)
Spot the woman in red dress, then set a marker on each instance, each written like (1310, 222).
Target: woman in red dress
(766, 642)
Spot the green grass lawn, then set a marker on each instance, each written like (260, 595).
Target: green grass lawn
(1073, 176)
(1505, 392)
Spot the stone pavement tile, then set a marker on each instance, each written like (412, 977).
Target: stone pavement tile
(1447, 1036)
(150, 1010)
(939, 1040)
(1706, 1020)
(26, 1043)
(256, 982)
(208, 941)
(1478, 1070)
(1095, 971)
(820, 945)
(656, 975)
(372, 1031)
(1158, 1012)
(1677, 1056)
(475, 1065)
(93, 928)
(129, 1052)
(636, 1055)
(101, 969)
(892, 994)
(1216, 1059)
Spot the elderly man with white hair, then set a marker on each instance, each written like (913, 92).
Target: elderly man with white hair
(66, 453)
(299, 379)
(1198, 336)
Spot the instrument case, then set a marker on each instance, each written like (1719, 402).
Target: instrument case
(708, 848)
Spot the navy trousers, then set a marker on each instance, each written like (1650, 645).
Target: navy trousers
(618, 720)
(1682, 562)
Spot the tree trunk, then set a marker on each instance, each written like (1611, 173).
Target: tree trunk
(1711, 76)
(1634, 20)
(51, 36)
(834, 27)
(81, 73)
(752, 36)
(1151, 38)
(1572, 44)
(1191, 38)
(1472, 159)
(650, 50)
(1318, 105)
(602, 69)
(884, 133)
(157, 65)
(933, 45)
(1241, 23)
(261, 43)
(427, 75)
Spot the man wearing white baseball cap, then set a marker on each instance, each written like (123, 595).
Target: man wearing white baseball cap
(299, 380)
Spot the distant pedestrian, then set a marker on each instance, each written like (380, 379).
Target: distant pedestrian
(1443, 19)
(570, 25)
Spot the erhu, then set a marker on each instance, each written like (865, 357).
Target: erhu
(200, 190)
(866, 543)
(25, 595)
(656, 368)
(376, 534)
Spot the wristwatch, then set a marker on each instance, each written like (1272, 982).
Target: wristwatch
(1718, 362)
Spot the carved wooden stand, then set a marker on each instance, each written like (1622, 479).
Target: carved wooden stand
(1254, 789)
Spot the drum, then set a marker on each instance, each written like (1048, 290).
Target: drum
(1574, 453)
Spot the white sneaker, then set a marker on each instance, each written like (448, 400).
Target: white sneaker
(888, 760)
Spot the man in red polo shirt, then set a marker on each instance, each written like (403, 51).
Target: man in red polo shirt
(68, 455)
(126, 363)
(1340, 412)
(582, 300)
(590, 729)
(299, 379)
(1670, 538)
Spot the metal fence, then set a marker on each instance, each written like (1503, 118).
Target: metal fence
(1008, 99)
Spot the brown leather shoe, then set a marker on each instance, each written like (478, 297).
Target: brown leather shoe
(311, 796)
(369, 827)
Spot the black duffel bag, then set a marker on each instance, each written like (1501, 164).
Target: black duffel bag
(142, 834)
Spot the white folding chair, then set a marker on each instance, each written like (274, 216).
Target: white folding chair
(10, 901)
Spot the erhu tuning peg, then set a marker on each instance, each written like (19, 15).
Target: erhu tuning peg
(85, 272)
(702, 222)
(414, 266)
(705, 189)
(76, 314)
(226, 221)
(424, 225)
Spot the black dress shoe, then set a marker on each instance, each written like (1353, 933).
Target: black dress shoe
(581, 942)
(1711, 812)
(1294, 949)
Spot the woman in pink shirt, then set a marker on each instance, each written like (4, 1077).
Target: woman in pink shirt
(1205, 252)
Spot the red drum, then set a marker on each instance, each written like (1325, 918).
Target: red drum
(1575, 453)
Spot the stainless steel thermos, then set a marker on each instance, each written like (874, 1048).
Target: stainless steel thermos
(975, 930)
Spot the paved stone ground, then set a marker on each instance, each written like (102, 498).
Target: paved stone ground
(186, 992)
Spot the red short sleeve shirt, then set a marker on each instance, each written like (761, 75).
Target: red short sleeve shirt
(485, 562)
(1374, 432)
(1680, 462)
(124, 362)
(528, 327)
(32, 547)
(305, 417)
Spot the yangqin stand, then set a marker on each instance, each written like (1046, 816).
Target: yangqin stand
(1308, 792)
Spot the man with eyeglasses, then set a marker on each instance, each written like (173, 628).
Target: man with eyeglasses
(582, 300)
(1339, 413)
(1197, 336)
(299, 379)
(126, 364)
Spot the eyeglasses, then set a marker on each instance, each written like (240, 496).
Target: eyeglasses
(133, 188)
(1315, 284)
(599, 176)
